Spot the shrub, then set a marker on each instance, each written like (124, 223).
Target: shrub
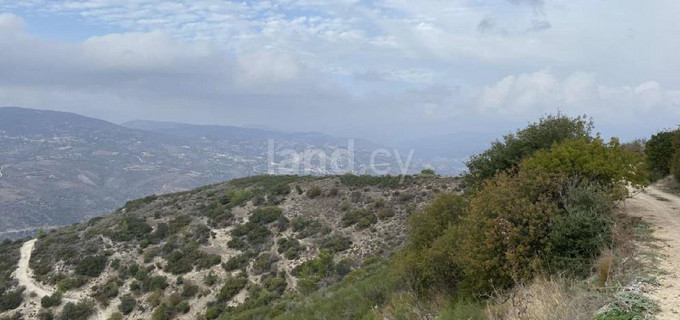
(336, 244)
(11, 300)
(51, 301)
(231, 288)
(314, 191)
(105, 292)
(428, 261)
(80, 311)
(91, 266)
(237, 262)
(290, 247)
(263, 263)
(307, 228)
(659, 152)
(504, 235)
(577, 237)
(361, 218)
(189, 290)
(427, 171)
(508, 153)
(127, 304)
(265, 215)
(605, 164)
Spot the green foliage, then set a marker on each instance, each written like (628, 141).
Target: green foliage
(91, 266)
(659, 151)
(427, 171)
(675, 161)
(263, 263)
(427, 262)
(506, 154)
(51, 301)
(11, 300)
(130, 228)
(127, 304)
(265, 215)
(314, 191)
(80, 311)
(9, 258)
(361, 218)
(353, 298)
(605, 164)
(336, 243)
(178, 223)
(232, 287)
(105, 292)
(629, 306)
(237, 262)
(308, 228)
(290, 248)
(578, 236)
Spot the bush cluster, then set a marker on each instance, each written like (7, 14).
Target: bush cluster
(550, 214)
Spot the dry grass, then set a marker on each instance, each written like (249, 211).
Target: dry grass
(555, 299)
(605, 266)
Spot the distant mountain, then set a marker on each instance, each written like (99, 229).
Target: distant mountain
(58, 168)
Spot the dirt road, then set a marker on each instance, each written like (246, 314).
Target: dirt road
(663, 211)
(23, 274)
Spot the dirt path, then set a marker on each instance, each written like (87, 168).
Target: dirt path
(663, 211)
(24, 275)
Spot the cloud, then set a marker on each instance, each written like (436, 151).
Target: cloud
(10, 22)
(579, 92)
(390, 68)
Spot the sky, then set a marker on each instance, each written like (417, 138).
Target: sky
(385, 70)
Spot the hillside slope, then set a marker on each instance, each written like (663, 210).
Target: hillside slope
(228, 249)
(58, 168)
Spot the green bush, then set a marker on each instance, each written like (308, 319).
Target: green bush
(361, 218)
(11, 300)
(232, 287)
(335, 244)
(77, 311)
(127, 304)
(51, 301)
(308, 228)
(91, 266)
(290, 247)
(265, 215)
(314, 191)
(428, 262)
(237, 262)
(659, 151)
(508, 153)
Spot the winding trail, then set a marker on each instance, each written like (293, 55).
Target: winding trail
(24, 275)
(662, 209)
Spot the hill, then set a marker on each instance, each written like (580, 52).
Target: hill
(230, 248)
(58, 168)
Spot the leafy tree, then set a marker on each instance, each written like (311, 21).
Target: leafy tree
(509, 152)
(659, 151)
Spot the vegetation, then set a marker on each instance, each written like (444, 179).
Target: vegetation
(509, 152)
(77, 311)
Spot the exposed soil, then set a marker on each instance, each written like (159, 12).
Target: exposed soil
(662, 209)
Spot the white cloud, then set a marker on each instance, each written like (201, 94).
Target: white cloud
(343, 66)
(10, 22)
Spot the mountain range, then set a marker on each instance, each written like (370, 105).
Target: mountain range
(59, 168)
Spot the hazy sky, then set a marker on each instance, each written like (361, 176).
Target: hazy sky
(386, 69)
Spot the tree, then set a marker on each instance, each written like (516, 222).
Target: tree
(509, 152)
(659, 151)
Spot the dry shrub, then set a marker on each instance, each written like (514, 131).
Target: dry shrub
(543, 299)
(605, 266)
